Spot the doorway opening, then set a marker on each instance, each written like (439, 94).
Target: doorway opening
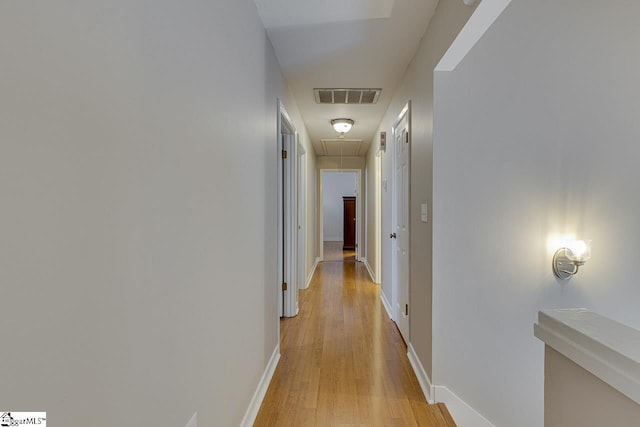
(340, 215)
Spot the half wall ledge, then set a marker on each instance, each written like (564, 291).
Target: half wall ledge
(607, 349)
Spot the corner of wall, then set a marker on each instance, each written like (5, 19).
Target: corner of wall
(485, 14)
(311, 273)
(421, 374)
(462, 413)
(385, 303)
(369, 270)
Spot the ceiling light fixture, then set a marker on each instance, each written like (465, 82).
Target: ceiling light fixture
(342, 125)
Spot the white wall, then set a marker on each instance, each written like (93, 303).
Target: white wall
(573, 396)
(138, 184)
(313, 251)
(447, 21)
(373, 212)
(335, 185)
(536, 134)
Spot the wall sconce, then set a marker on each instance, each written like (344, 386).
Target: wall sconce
(568, 259)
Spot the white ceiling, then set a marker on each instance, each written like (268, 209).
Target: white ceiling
(344, 44)
(341, 147)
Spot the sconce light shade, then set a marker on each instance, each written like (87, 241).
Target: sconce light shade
(568, 259)
(579, 251)
(342, 125)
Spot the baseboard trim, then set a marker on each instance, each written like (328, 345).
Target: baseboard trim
(462, 413)
(369, 270)
(312, 272)
(261, 390)
(332, 239)
(421, 374)
(386, 304)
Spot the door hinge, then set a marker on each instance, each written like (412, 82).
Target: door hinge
(406, 137)
(284, 154)
(284, 286)
(406, 309)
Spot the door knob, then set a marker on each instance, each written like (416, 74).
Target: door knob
(392, 235)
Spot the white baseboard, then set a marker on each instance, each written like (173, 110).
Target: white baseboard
(369, 270)
(421, 374)
(463, 414)
(263, 385)
(312, 272)
(386, 304)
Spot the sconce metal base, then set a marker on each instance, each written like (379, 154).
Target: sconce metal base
(563, 267)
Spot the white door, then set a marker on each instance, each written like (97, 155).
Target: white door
(401, 224)
(290, 288)
(284, 232)
(287, 220)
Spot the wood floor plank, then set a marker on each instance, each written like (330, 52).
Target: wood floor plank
(343, 360)
(446, 415)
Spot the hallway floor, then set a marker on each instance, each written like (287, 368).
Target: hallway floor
(343, 361)
(333, 252)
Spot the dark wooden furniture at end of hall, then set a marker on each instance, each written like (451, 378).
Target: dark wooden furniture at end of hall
(349, 220)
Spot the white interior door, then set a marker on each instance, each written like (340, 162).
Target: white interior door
(378, 219)
(401, 224)
(290, 288)
(287, 220)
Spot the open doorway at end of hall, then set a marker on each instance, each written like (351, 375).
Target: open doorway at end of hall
(340, 215)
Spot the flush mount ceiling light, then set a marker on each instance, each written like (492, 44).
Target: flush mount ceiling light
(342, 125)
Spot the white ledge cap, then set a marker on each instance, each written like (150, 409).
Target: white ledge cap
(604, 347)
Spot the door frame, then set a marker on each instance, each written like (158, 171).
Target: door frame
(359, 199)
(378, 217)
(301, 159)
(374, 223)
(287, 138)
(395, 286)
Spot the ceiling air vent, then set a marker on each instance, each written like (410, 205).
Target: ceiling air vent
(347, 96)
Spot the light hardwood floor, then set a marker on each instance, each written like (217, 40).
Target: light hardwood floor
(333, 252)
(343, 361)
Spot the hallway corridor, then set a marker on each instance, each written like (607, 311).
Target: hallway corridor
(343, 361)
